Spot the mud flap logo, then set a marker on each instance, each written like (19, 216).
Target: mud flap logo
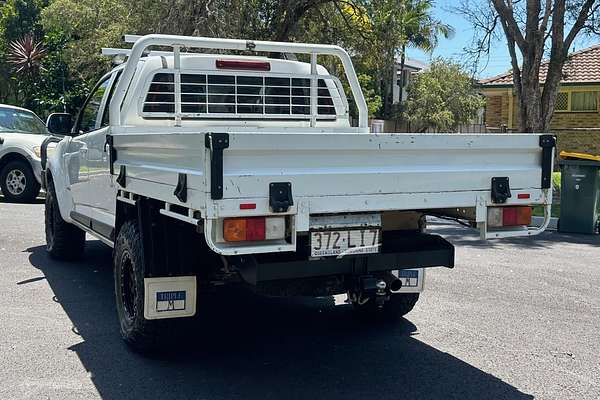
(409, 277)
(170, 301)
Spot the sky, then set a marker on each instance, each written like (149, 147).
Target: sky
(499, 59)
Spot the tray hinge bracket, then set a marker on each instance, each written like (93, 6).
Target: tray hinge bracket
(500, 189)
(216, 142)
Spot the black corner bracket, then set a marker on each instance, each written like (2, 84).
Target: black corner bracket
(500, 189)
(181, 188)
(216, 142)
(122, 175)
(280, 196)
(112, 153)
(547, 143)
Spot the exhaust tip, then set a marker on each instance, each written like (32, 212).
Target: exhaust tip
(396, 285)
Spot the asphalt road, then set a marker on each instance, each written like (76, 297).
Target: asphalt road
(516, 319)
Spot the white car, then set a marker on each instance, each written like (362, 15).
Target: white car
(203, 170)
(21, 136)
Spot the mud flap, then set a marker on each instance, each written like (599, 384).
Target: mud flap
(170, 297)
(412, 280)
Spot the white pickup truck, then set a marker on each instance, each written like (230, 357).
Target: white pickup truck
(208, 169)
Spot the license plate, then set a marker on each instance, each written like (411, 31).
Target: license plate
(345, 242)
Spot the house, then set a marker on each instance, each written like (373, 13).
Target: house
(405, 75)
(576, 120)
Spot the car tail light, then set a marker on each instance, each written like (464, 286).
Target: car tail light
(253, 229)
(244, 65)
(508, 216)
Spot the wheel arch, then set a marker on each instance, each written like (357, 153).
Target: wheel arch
(14, 155)
(61, 195)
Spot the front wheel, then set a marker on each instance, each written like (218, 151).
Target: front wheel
(397, 306)
(64, 241)
(18, 183)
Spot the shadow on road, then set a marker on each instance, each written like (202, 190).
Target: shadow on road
(463, 236)
(246, 346)
(39, 200)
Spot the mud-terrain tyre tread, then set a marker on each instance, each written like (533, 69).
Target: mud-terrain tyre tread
(32, 186)
(64, 241)
(142, 335)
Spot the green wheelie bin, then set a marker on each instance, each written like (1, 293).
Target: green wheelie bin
(580, 195)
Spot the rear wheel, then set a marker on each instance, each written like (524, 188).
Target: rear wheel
(141, 334)
(18, 183)
(397, 306)
(64, 241)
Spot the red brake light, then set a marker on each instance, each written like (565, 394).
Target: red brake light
(248, 206)
(509, 216)
(523, 196)
(244, 65)
(255, 229)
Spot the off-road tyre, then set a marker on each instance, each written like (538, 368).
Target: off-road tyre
(64, 241)
(24, 187)
(396, 307)
(140, 334)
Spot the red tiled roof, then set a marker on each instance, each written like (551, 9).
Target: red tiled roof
(583, 66)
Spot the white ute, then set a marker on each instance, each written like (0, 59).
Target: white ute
(208, 169)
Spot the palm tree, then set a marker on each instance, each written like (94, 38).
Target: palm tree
(408, 23)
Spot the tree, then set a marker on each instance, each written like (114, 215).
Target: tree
(25, 55)
(529, 27)
(418, 29)
(17, 19)
(442, 98)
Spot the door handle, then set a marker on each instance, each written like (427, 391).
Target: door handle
(1, 140)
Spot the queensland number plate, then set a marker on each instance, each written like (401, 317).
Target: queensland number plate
(344, 242)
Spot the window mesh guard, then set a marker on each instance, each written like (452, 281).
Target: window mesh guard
(209, 95)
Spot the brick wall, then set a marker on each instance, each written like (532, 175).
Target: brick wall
(493, 111)
(579, 132)
(575, 120)
(578, 140)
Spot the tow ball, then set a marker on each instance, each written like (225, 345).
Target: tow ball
(374, 289)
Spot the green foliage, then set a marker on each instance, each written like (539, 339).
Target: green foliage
(374, 101)
(374, 32)
(90, 25)
(58, 90)
(442, 98)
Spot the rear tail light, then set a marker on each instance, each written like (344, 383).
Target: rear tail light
(243, 65)
(253, 229)
(508, 216)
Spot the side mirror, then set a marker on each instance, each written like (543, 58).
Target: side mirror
(59, 123)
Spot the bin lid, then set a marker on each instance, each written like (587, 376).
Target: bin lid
(571, 155)
(581, 159)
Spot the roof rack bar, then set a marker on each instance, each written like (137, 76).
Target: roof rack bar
(131, 38)
(109, 51)
(140, 46)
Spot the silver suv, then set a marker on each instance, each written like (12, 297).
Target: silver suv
(21, 135)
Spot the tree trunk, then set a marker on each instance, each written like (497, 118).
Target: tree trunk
(401, 86)
(536, 106)
(387, 84)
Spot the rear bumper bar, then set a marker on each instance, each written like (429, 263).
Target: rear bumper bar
(401, 251)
